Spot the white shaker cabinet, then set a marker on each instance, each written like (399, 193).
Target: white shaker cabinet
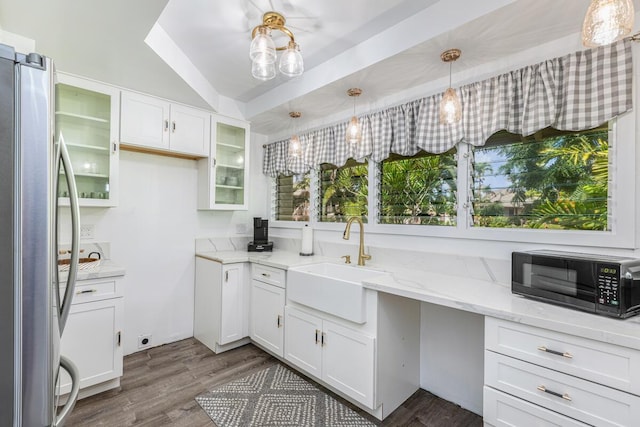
(87, 117)
(157, 124)
(221, 304)
(92, 338)
(224, 176)
(342, 357)
(267, 308)
(547, 373)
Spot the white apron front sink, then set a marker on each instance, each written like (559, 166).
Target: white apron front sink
(332, 288)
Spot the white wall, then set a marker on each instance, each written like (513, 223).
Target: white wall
(152, 233)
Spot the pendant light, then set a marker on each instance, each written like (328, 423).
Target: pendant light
(354, 130)
(450, 106)
(607, 21)
(295, 146)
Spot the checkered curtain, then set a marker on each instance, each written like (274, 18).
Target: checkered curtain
(574, 92)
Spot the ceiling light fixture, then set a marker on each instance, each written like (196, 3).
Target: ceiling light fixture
(295, 146)
(450, 107)
(354, 130)
(263, 50)
(607, 21)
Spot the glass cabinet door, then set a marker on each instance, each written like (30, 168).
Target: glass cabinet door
(85, 117)
(230, 166)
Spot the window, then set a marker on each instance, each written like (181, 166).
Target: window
(551, 180)
(418, 190)
(292, 199)
(343, 192)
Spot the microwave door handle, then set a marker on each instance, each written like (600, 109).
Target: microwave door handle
(68, 366)
(65, 307)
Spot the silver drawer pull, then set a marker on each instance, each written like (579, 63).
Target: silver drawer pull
(557, 353)
(564, 396)
(266, 274)
(87, 291)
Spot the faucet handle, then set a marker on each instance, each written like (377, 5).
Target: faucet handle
(347, 259)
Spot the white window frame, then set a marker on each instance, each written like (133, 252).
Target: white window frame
(622, 203)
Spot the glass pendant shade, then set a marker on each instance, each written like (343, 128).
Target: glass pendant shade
(450, 107)
(291, 63)
(295, 147)
(354, 131)
(262, 46)
(262, 69)
(607, 21)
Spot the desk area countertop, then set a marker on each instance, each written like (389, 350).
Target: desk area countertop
(472, 295)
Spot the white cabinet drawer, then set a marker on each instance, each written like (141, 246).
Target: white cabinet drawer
(274, 276)
(95, 290)
(614, 366)
(574, 397)
(503, 410)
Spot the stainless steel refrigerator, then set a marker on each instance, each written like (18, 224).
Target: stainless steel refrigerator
(33, 306)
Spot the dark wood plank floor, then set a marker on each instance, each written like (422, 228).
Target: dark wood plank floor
(159, 387)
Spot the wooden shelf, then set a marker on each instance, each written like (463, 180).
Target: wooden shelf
(81, 117)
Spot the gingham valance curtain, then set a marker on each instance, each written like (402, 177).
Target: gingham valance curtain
(574, 92)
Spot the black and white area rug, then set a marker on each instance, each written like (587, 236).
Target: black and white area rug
(276, 397)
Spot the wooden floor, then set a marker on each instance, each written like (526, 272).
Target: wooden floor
(159, 387)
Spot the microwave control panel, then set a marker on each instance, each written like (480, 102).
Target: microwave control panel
(608, 285)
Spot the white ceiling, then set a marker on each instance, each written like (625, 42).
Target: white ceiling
(383, 46)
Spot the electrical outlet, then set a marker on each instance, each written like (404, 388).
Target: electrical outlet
(144, 341)
(87, 231)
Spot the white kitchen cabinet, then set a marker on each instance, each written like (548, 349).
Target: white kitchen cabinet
(340, 356)
(221, 304)
(304, 341)
(267, 308)
(589, 381)
(92, 338)
(87, 117)
(267, 316)
(223, 177)
(157, 124)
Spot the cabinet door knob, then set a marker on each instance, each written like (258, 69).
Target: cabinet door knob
(279, 323)
(166, 125)
(317, 333)
(119, 335)
(173, 126)
(323, 339)
(86, 291)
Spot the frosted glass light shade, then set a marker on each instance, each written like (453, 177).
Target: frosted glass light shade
(607, 21)
(262, 46)
(450, 107)
(291, 63)
(354, 131)
(295, 147)
(262, 69)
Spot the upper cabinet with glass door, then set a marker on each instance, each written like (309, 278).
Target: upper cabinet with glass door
(223, 178)
(87, 118)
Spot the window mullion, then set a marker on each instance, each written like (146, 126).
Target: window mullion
(464, 195)
(374, 192)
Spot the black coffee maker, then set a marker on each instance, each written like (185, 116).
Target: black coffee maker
(260, 241)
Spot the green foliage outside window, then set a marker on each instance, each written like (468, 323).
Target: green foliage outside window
(344, 192)
(553, 181)
(419, 189)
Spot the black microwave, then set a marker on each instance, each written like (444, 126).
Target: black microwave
(600, 284)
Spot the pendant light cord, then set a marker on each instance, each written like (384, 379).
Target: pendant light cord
(450, 64)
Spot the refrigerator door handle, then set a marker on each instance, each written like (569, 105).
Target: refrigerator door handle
(65, 307)
(67, 365)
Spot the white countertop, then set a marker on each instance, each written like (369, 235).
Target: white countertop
(107, 268)
(472, 295)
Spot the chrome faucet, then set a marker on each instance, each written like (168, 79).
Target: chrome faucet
(361, 255)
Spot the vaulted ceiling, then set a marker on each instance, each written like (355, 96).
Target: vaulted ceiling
(196, 51)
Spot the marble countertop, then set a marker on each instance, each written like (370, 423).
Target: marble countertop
(107, 268)
(276, 259)
(473, 295)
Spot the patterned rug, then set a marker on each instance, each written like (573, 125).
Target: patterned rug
(276, 397)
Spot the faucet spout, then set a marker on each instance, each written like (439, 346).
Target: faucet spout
(347, 233)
